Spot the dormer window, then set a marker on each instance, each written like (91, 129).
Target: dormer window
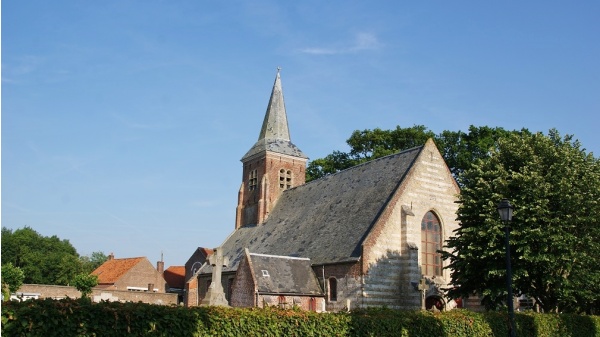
(285, 179)
(252, 180)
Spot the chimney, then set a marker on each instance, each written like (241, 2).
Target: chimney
(160, 265)
(111, 256)
(150, 287)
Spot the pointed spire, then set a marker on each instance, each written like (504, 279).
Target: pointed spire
(275, 125)
(275, 134)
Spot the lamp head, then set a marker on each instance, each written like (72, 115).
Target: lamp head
(506, 210)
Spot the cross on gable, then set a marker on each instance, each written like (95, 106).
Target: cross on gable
(217, 259)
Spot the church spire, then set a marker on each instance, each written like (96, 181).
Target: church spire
(275, 135)
(272, 166)
(275, 125)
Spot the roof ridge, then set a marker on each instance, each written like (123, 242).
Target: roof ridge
(420, 147)
(281, 256)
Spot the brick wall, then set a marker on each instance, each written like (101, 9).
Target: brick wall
(58, 292)
(191, 295)
(254, 205)
(141, 275)
(289, 301)
(243, 294)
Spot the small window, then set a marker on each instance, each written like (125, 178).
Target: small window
(265, 273)
(252, 180)
(332, 289)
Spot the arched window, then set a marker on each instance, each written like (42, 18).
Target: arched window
(285, 179)
(332, 289)
(431, 242)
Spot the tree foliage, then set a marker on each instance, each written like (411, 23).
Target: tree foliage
(44, 260)
(12, 279)
(84, 283)
(93, 261)
(458, 148)
(554, 186)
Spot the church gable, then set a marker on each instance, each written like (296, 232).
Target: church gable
(402, 247)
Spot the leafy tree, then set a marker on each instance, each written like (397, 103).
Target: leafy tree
(458, 148)
(554, 186)
(12, 279)
(93, 261)
(44, 260)
(85, 283)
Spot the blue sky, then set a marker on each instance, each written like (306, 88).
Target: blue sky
(124, 122)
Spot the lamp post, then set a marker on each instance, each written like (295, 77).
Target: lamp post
(506, 212)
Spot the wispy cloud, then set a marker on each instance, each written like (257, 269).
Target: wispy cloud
(362, 42)
(12, 72)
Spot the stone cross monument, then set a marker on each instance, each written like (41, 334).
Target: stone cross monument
(423, 287)
(215, 294)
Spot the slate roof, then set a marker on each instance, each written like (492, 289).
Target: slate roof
(284, 275)
(112, 270)
(327, 219)
(275, 134)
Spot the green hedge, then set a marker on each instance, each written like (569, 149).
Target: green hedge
(70, 317)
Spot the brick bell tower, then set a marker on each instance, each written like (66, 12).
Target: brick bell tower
(271, 166)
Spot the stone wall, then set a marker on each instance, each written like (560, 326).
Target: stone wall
(391, 252)
(349, 285)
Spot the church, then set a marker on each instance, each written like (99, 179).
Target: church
(367, 236)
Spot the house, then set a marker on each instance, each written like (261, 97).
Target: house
(175, 278)
(131, 274)
(371, 233)
(192, 267)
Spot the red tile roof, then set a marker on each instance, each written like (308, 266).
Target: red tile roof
(112, 270)
(175, 276)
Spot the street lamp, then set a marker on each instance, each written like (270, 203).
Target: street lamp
(506, 212)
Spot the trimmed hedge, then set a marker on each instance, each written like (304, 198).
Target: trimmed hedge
(80, 317)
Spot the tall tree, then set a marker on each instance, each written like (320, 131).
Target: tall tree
(458, 148)
(461, 149)
(555, 188)
(366, 145)
(43, 260)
